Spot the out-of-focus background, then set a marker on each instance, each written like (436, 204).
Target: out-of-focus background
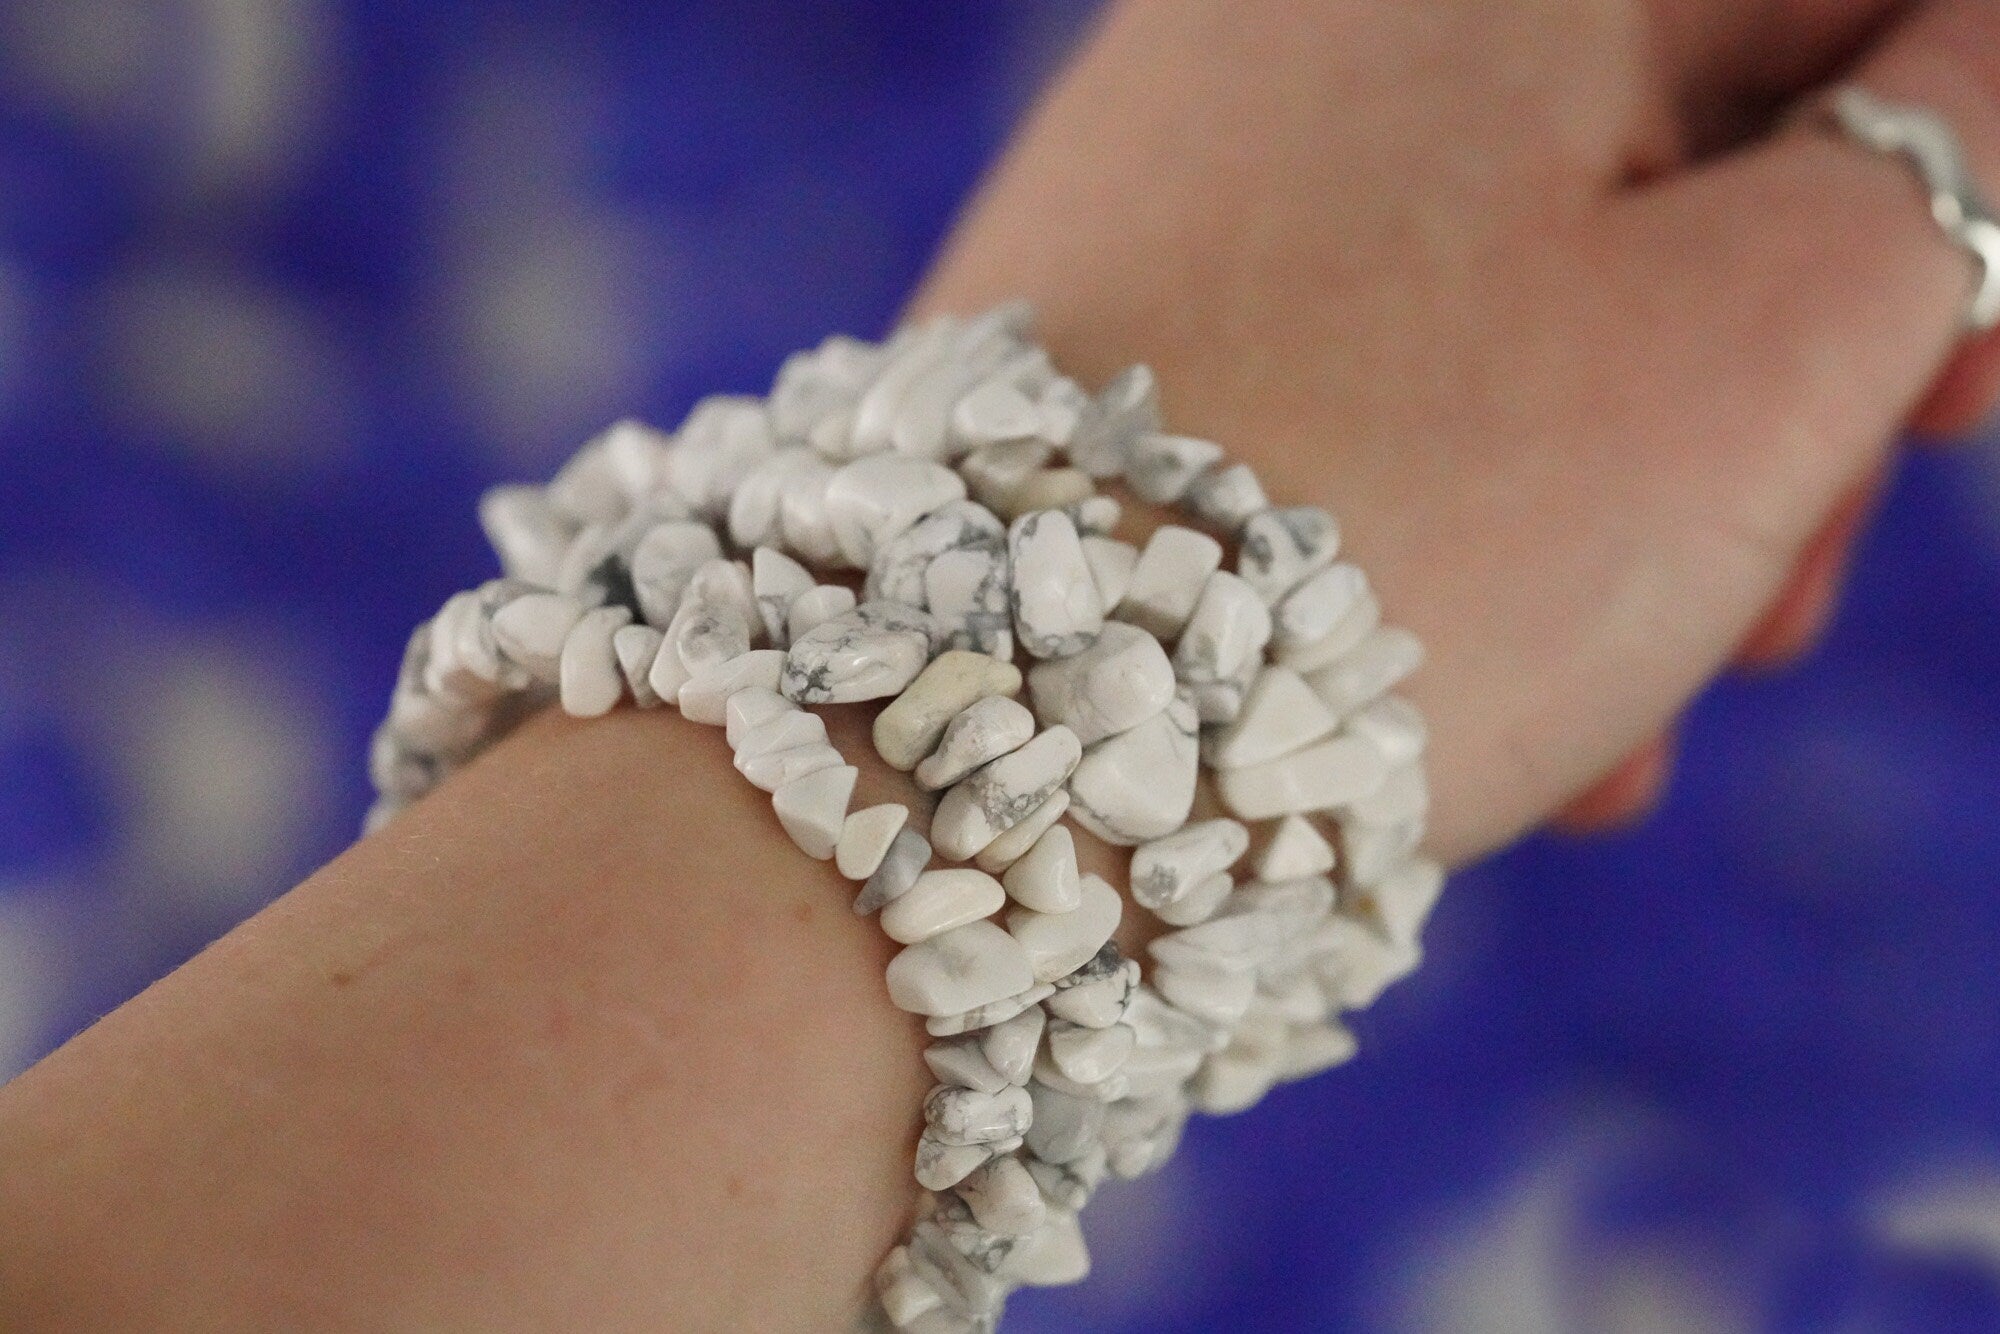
(285, 283)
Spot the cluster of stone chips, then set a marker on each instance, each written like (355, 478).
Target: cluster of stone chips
(952, 474)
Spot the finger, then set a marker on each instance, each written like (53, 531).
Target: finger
(1800, 615)
(1828, 298)
(1963, 398)
(1727, 64)
(1626, 794)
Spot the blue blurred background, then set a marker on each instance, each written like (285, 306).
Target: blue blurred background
(285, 283)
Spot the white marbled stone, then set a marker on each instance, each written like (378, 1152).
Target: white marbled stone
(1108, 426)
(939, 901)
(865, 837)
(1394, 726)
(904, 1294)
(908, 854)
(1098, 1003)
(1200, 903)
(1168, 579)
(1402, 902)
(1405, 795)
(1162, 467)
(897, 572)
(990, 801)
(966, 590)
(1315, 1048)
(1017, 842)
(1281, 548)
(1010, 1045)
(1371, 851)
(781, 730)
(1112, 686)
(962, 968)
(813, 808)
(1057, 944)
(1045, 489)
(723, 437)
(706, 633)
(815, 607)
(774, 769)
(1139, 784)
(804, 527)
(1215, 995)
(1227, 497)
(530, 631)
(1056, 608)
(1053, 1256)
(753, 510)
(1296, 849)
(525, 531)
(1111, 563)
(868, 653)
(1090, 1055)
(1165, 869)
(982, 733)
(775, 581)
(1280, 714)
(993, 413)
(704, 696)
(1224, 634)
(875, 499)
(1326, 774)
(749, 707)
(993, 472)
(911, 727)
(663, 564)
(637, 646)
(1371, 668)
(959, 1061)
(989, 1014)
(1355, 625)
(592, 683)
(1095, 516)
(1046, 877)
(1309, 611)
(967, 1116)
(1004, 1198)
(941, 1166)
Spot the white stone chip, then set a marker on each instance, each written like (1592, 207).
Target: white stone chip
(959, 1061)
(1057, 944)
(1096, 516)
(1162, 467)
(1090, 1055)
(966, 590)
(531, 629)
(1139, 784)
(982, 733)
(939, 901)
(1111, 563)
(1053, 1256)
(1011, 846)
(965, 967)
(1004, 1198)
(1010, 1045)
(1367, 671)
(910, 727)
(865, 837)
(995, 471)
(967, 1116)
(985, 1016)
(1200, 903)
(782, 730)
(897, 573)
(1066, 1126)
(813, 808)
(1356, 625)
(1324, 775)
(1405, 795)
(637, 646)
(876, 499)
(663, 564)
(1046, 877)
(525, 531)
(1112, 686)
(1212, 994)
(753, 508)
(1394, 726)
(1371, 851)
(941, 1166)
(1225, 633)
(1168, 579)
(1164, 870)
(591, 681)
(773, 770)
(1108, 427)
(1057, 611)
(1226, 496)
(909, 853)
(815, 607)
(776, 580)
(1296, 849)
(1310, 611)
(1403, 900)
(704, 697)
(1045, 489)
(1315, 1048)
(994, 412)
(1281, 714)
(990, 801)
(749, 707)
(803, 523)
(868, 653)
(905, 1296)
(1279, 549)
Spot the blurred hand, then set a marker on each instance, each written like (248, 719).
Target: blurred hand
(1597, 368)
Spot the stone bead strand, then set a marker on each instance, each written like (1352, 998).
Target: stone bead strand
(955, 471)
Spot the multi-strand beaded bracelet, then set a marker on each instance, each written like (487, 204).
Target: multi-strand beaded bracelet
(959, 470)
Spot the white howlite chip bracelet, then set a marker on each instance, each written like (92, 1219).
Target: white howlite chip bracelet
(915, 528)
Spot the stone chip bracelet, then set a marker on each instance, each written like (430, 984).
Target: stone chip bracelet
(898, 522)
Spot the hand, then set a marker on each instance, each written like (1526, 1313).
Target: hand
(1597, 370)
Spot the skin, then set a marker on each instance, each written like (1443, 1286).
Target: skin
(1597, 371)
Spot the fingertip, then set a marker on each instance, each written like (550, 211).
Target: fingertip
(1625, 795)
(1962, 400)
